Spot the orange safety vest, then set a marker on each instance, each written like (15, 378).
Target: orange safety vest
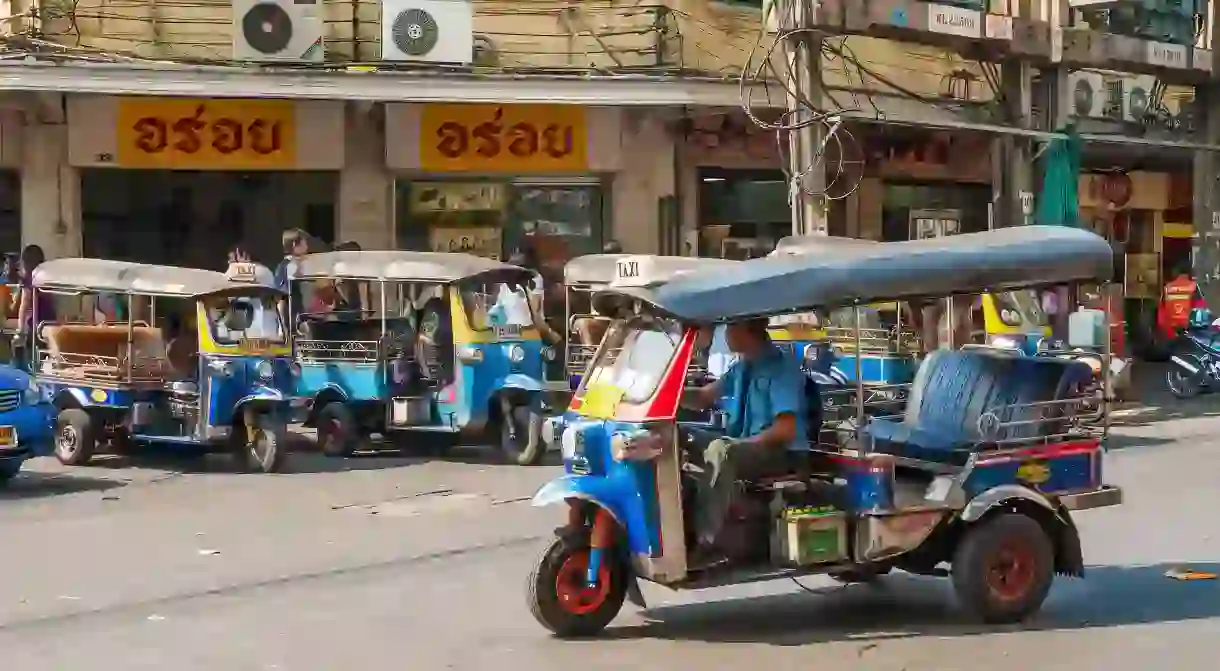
(1179, 299)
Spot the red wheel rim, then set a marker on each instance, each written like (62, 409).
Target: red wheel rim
(1010, 573)
(572, 586)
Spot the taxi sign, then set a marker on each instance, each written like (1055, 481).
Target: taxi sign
(631, 271)
(241, 272)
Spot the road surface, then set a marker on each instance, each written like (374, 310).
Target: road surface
(393, 563)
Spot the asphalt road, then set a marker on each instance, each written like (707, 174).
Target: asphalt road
(392, 563)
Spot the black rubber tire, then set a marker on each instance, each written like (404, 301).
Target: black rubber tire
(74, 426)
(530, 455)
(9, 470)
(976, 554)
(266, 450)
(338, 432)
(544, 602)
(1181, 384)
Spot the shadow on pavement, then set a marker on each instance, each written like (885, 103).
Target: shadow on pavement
(903, 606)
(33, 485)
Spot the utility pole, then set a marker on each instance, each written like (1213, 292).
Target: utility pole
(802, 51)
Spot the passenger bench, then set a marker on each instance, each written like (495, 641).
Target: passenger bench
(100, 352)
(953, 389)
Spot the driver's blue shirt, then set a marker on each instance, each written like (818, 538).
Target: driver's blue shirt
(760, 389)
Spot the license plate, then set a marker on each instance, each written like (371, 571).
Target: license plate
(255, 343)
(8, 436)
(508, 331)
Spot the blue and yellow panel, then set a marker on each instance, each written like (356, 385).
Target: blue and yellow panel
(1051, 469)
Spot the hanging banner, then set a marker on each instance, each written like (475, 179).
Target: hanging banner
(516, 139)
(185, 134)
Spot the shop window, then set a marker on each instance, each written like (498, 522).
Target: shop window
(899, 200)
(742, 213)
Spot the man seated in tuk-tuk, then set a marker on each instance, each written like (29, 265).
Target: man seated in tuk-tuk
(767, 411)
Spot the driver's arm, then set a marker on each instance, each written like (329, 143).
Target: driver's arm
(703, 398)
(787, 396)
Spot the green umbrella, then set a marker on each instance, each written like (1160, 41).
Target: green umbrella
(1059, 201)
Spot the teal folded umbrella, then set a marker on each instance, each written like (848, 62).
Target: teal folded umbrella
(1059, 200)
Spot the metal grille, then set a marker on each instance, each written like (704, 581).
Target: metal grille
(9, 399)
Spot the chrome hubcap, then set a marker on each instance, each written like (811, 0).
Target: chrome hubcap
(68, 440)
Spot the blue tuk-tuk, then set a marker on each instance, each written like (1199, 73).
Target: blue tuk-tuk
(446, 346)
(218, 384)
(983, 472)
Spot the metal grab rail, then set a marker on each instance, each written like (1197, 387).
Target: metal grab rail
(101, 368)
(1075, 415)
(355, 351)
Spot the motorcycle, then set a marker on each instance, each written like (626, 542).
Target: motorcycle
(1094, 392)
(1194, 365)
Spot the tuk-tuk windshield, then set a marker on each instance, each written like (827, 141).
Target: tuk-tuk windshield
(1023, 307)
(633, 357)
(233, 319)
(499, 304)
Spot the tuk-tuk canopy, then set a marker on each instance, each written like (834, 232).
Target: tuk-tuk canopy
(820, 244)
(403, 266)
(79, 275)
(648, 269)
(1010, 258)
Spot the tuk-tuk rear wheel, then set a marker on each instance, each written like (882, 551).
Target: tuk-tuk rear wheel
(337, 430)
(560, 598)
(1003, 568)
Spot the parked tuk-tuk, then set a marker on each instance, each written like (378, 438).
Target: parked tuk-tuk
(1014, 319)
(217, 385)
(983, 471)
(585, 275)
(448, 347)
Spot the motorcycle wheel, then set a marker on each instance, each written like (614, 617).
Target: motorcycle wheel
(1181, 384)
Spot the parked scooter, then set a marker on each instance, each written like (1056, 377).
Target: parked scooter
(1194, 366)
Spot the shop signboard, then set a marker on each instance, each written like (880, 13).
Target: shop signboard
(186, 134)
(504, 139)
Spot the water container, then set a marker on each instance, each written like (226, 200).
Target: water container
(1086, 328)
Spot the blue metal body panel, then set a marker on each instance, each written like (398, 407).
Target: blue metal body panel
(1075, 472)
(353, 381)
(626, 489)
(877, 369)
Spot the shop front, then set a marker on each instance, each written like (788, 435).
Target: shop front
(180, 181)
(493, 179)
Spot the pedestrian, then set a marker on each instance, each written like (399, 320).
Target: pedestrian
(31, 257)
(296, 245)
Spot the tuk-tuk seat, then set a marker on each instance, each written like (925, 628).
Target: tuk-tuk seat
(953, 389)
(87, 351)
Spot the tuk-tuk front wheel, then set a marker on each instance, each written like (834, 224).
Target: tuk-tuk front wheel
(264, 446)
(1003, 568)
(519, 440)
(560, 596)
(75, 437)
(338, 432)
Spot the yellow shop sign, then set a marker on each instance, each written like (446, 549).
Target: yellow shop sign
(184, 134)
(503, 138)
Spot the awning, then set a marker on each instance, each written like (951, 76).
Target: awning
(165, 79)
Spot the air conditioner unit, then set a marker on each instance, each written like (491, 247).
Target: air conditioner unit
(1137, 97)
(278, 30)
(1088, 93)
(427, 31)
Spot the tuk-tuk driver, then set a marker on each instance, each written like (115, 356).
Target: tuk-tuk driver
(766, 410)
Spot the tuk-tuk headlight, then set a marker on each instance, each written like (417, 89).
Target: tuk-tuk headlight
(1010, 317)
(1006, 342)
(266, 371)
(222, 368)
(516, 354)
(468, 354)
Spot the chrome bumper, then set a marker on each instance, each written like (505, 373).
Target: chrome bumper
(1101, 498)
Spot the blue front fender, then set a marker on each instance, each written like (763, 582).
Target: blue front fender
(618, 496)
(518, 381)
(262, 394)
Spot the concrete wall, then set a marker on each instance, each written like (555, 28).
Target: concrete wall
(697, 35)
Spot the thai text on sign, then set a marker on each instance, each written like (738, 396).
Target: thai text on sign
(206, 134)
(503, 138)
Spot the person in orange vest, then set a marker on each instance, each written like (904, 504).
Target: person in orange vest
(1180, 296)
